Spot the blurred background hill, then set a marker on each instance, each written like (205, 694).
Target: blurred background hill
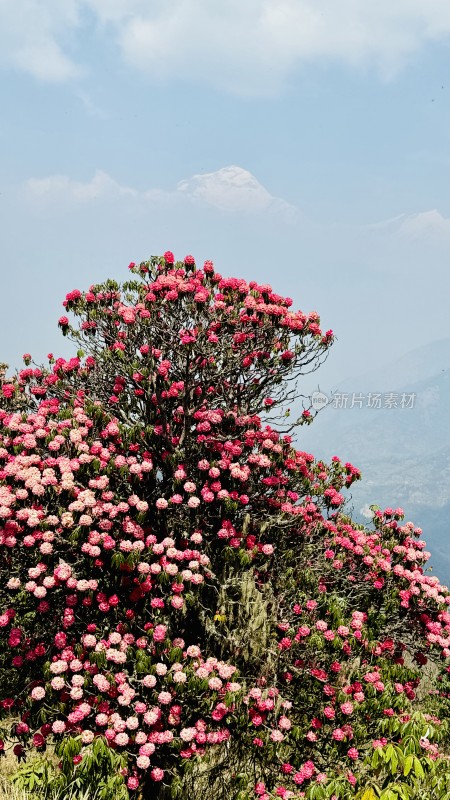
(403, 452)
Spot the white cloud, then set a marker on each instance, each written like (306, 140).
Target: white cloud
(248, 47)
(230, 189)
(61, 188)
(34, 37)
(366, 512)
(233, 190)
(254, 46)
(46, 62)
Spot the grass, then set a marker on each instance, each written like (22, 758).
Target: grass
(9, 791)
(8, 765)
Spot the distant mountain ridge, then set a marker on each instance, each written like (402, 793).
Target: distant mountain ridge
(403, 453)
(419, 364)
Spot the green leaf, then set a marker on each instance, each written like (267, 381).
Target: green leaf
(388, 753)
(409, 761)
(378, 754)
(418, 769)
(389, 794)
(369, 794)
(394, 763)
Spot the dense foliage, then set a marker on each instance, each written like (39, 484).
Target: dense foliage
(186, 606)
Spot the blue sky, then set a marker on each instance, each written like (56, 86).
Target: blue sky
(299, 142)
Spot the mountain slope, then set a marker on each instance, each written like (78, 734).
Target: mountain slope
(403, 453)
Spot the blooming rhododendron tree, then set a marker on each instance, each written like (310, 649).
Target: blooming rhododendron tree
(182, 590)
